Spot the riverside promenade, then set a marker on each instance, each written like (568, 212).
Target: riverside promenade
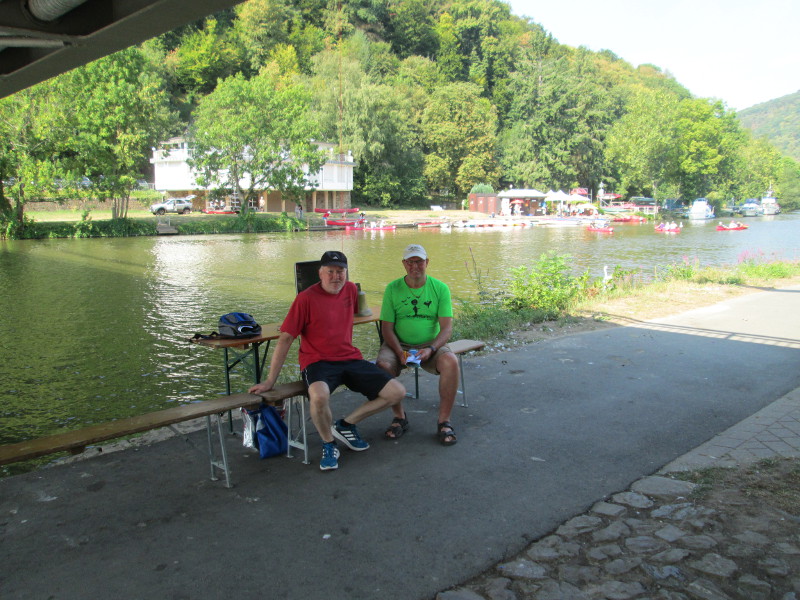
(562, 454)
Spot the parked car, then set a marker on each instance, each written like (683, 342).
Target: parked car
(182, 206)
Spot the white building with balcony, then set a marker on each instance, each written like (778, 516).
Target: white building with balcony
(329, 188)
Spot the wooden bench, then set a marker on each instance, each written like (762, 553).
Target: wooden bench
(459, 348)
(76, 441)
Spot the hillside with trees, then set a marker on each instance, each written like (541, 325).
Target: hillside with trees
(431, 97)
(778, 121)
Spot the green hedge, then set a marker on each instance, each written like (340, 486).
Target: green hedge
(86, 228)
(249, 222)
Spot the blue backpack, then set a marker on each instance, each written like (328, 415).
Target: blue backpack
(238, 325)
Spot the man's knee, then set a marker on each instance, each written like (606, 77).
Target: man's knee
(393, 391)
(447, 363)
(318, 394)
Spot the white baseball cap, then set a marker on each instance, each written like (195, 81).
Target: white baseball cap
(414, 250)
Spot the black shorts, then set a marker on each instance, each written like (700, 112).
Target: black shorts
(360, 376)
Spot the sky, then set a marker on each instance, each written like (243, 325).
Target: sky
(742, 52)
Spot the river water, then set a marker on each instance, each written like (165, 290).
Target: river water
(96, 329)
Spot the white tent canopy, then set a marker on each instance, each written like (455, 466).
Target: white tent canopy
(558, 196)
(512, 193)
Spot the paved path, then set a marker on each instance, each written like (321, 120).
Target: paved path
(773, 431)
(551, 429)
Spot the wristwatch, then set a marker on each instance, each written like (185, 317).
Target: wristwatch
(433, 349)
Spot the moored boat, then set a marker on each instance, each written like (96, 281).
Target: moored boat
(629, 219)
(431, 224)
(769, 205)
(336, 210)
(366, 228)
(751, 208)
(700, 210)
(343, 223)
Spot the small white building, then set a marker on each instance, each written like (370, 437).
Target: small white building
(330, 187)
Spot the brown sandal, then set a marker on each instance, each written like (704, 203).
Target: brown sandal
(446, 434)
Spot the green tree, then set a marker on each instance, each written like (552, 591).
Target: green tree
(411, 29)
(699, 146)
(640, 142)
(29, 121)
(377, 122)
(557, 123)
(756, 168)
(118, 110)
(448, 57)
(254, 135)
(264, 26)
(203, 57)
(459, 135)
(788, 184)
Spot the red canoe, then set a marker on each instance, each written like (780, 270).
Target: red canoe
(725, 228)
(336, 210)
(600, 229)
(341, 223)
(660, 229)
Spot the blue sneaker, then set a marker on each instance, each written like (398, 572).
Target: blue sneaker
(330, 457)
(349, 436)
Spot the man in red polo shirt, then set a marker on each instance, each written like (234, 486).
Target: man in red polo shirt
(322, 316)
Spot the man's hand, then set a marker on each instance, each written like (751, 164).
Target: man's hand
(425, 354)
(260, 388)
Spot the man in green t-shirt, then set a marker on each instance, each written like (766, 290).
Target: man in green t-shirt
(417, 314)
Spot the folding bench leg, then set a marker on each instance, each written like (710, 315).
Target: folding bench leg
(299, 440)
(463, 389)
(214, 464)
(416, 383)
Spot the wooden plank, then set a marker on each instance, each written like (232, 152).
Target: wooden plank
(80, 438)
(461, 346)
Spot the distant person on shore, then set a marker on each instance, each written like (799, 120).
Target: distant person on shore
(417, 314)
(322, 315)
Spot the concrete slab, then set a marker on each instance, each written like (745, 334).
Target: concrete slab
(551, 429)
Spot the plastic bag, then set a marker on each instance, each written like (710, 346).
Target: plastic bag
(249, 428)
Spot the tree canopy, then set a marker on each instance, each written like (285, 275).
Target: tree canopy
(432, 98)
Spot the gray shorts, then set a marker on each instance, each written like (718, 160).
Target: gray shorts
(387, 355)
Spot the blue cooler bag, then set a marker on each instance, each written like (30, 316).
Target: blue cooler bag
(271, 434)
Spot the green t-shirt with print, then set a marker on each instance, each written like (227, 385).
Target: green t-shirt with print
(416, 312)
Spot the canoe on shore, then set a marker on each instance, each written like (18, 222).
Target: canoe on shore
(343, 223)
(629, 219)
(431, 224)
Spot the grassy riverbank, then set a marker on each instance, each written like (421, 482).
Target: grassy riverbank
(540, 300)
(94, 220)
